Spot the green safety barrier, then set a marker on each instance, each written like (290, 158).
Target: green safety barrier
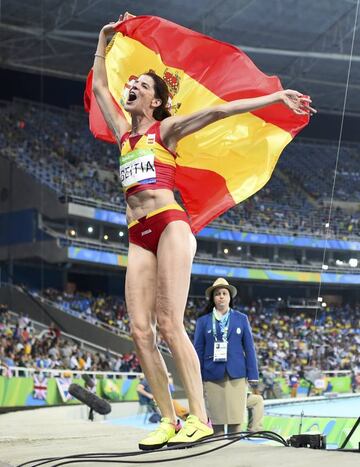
(120, 389)
(340, 384)
(19, 391)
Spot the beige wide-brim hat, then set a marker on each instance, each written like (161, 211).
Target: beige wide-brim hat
(221, 283)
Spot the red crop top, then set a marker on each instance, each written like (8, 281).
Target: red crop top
(145, 162)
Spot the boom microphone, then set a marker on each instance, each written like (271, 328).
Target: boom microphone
(90, 383)
(91, 400)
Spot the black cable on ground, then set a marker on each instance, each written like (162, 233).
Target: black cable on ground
(112, 457)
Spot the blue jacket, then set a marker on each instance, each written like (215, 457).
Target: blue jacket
(241, 356)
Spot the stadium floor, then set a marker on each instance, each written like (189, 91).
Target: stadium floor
(61, 431)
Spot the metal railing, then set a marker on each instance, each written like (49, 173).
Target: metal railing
(322, 235)
(277, 266)
(94, 203)
(108, 248)
(65, 240)
(223, 225)
(16, 371)
(83, 342)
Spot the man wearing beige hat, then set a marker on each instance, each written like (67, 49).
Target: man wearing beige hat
(225, 347)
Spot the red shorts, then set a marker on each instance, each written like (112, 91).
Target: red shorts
(147, 230)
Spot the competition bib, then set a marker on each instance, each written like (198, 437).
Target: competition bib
(220, 351)
(137, 166)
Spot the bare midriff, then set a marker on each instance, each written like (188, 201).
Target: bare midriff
(143, 202)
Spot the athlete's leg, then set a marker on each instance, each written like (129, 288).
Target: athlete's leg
(140, 291)
(175, 253)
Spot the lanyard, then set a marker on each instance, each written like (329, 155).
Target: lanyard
(224, 327)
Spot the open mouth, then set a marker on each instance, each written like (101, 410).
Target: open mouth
(132, 96)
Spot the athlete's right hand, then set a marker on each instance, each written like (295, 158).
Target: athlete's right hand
(110, 28)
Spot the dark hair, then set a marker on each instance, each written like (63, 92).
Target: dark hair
(162, 93)
(211, 304)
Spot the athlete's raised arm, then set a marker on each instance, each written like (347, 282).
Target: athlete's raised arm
(175, 128)
(116, 122)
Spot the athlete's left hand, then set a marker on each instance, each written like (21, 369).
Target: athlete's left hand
(110, 28)
(297, 102)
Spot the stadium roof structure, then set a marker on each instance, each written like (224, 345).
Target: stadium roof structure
(306, 43)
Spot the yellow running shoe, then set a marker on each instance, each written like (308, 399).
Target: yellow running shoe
(193, 431)
(158, 438)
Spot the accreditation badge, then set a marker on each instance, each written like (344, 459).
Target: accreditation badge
(220, 351)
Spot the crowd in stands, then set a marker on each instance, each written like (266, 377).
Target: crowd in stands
(109, 310)
(290, 341)
(21, 345)
(56, 147)
(283, 207)
(285, 339)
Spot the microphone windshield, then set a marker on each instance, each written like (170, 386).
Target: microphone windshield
(90, 383)
(91, 400)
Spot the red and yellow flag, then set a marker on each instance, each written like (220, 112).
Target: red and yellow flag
(229, 160)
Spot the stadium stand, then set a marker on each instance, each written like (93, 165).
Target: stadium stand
(285, 340)
(22, 345)
(66, 158)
